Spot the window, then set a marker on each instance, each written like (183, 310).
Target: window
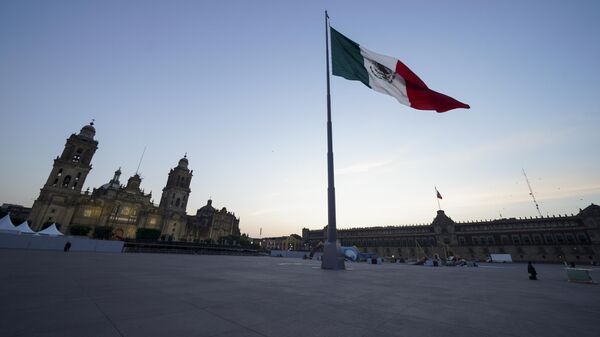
(177, 202)
(537, 239)
(560, 238)
(526, 240)
(76, 158)
(55, 182)
(570, 238)
(66, 181)
(504, 240)
(549, 239)
(582, 238)
(475, 240)
(516, 240)
(461, 241)
(491, 240)
(60, 172)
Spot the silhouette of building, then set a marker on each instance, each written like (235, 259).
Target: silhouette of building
(552, 239)
(18, 213)
(122, 208)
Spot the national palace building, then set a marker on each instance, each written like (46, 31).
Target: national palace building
(124, 208)
(573, 238)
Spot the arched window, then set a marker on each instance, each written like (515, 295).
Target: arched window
(177, 202)
(60, 172)
(55, 182)
(66, 181)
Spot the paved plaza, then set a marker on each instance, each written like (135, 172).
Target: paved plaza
(95, 294)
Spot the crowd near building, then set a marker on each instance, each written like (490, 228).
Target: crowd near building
(573, 238)
(123, 210)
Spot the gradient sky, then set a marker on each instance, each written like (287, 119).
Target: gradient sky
(240, 87)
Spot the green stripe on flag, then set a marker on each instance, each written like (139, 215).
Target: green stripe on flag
(346, 60)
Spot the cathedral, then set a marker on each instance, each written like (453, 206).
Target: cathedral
(123, 209)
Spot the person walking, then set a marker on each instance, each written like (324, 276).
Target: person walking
(532, 272)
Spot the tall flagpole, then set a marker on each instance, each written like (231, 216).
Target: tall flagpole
(332, 258)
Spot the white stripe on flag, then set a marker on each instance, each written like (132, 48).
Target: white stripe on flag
(393, 84)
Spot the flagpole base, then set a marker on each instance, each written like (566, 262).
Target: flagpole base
(332, 257)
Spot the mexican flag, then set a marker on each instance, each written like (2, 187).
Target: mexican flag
(386, 75)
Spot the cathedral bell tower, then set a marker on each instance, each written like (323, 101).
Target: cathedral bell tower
(174, 199)
(176, 192)
(66, 179)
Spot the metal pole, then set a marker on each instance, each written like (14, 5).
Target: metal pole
(331, 257)
(331, 230)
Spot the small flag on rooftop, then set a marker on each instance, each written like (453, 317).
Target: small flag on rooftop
(439, 196)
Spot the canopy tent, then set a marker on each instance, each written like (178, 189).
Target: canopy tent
(7, 225)
(52, 230)
(24, 228)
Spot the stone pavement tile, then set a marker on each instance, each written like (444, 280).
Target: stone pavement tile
(141, 305)
(191, 323)
(105, 329)
(107, 284)
(350, 316)
(308, 326)
(413, 327)
(243, 332)
(18, 301)
(249, 313)
(64, 315)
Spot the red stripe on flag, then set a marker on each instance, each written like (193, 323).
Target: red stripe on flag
(423, 98)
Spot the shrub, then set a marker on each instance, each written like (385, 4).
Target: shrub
(147, 234)
(48, 224)
(103, 232)
(80, 230)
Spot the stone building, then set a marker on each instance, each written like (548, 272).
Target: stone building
(124, 208)
(291, 242)
(212, 224)
(545, 239)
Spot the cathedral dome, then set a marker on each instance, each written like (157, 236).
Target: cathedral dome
(183, 162)
(207, 209)
(88, 131)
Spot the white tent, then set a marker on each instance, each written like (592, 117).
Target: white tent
(7, 225)
(52, 230)
(24, 228)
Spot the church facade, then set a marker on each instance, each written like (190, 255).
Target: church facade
(123, 208)
(573, 238)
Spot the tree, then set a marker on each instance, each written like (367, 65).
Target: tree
(103, 232)
(80, 230)
(147, 234)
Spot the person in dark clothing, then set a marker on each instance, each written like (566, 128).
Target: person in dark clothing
(531, 271)
(67, 246)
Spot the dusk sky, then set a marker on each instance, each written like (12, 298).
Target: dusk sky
(240, 87)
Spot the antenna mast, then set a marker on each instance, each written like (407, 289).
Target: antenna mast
(140, 163)
(531, 194)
